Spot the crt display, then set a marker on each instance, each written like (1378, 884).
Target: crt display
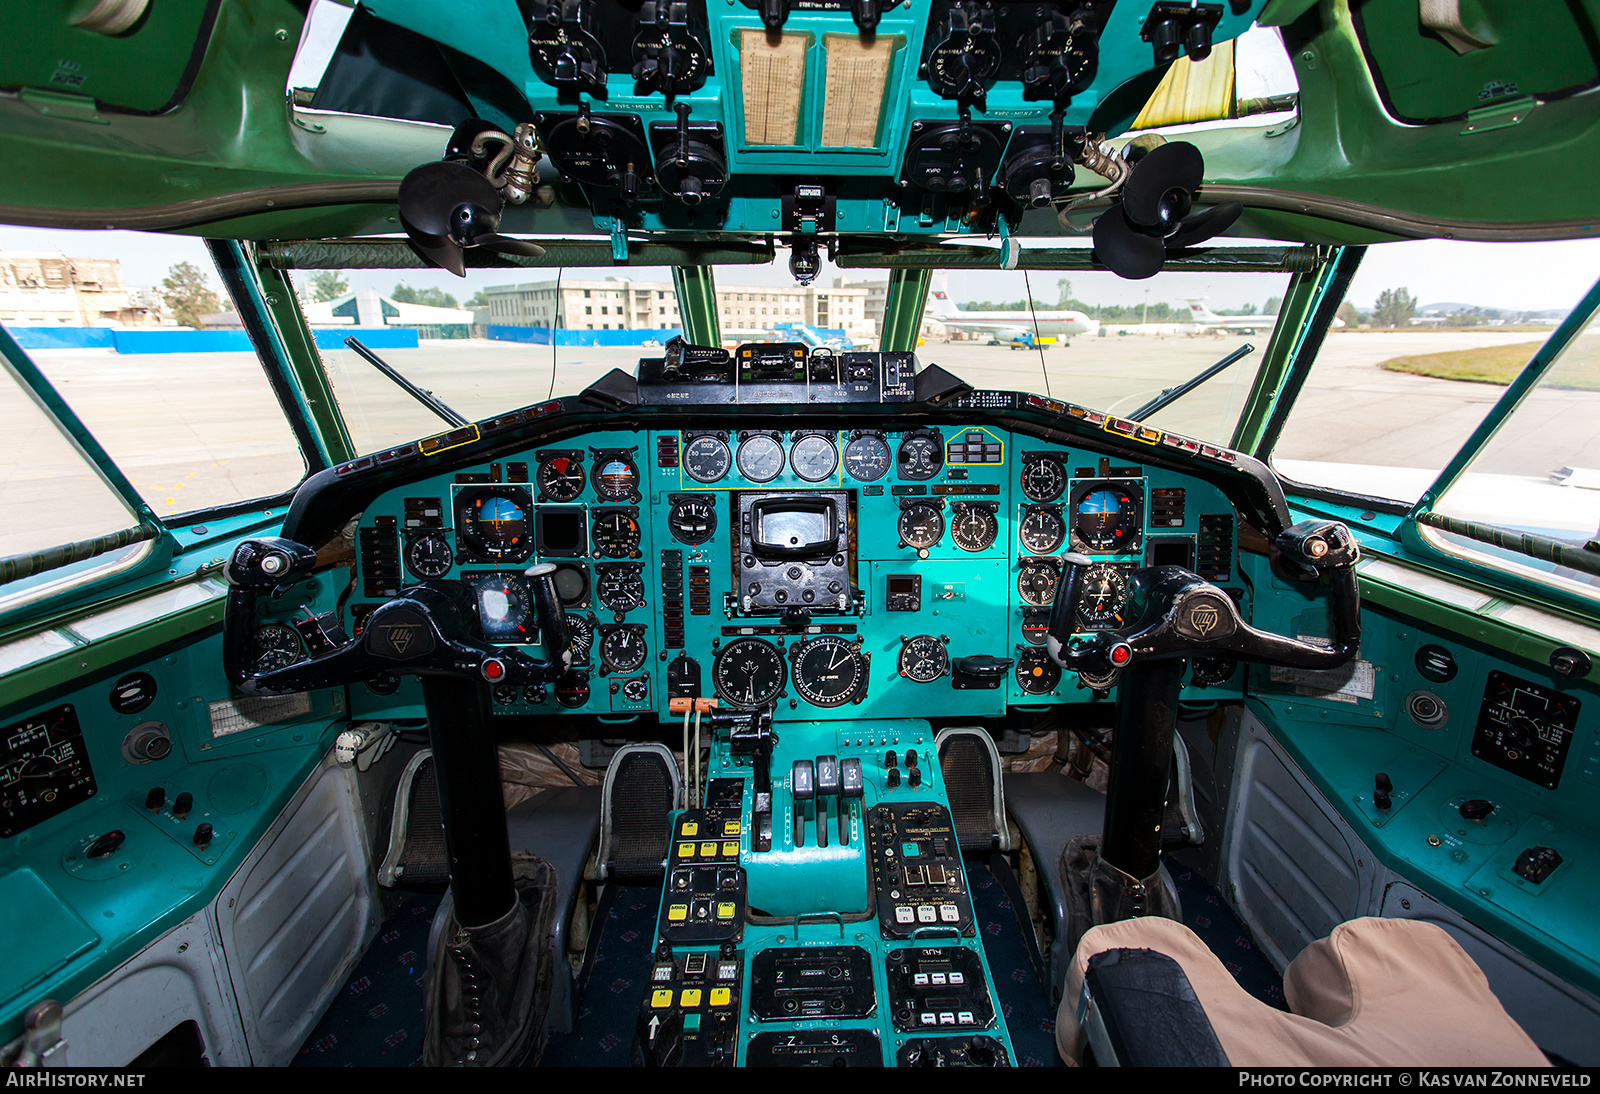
(793, 528)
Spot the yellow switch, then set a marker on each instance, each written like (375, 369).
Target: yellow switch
(708, 850)
(721, 997)
(661, 997)
(686, 850)
(725, 910)
(690, 998)
(690, 828)
(677, 913)
(730, 849)
(732, 828)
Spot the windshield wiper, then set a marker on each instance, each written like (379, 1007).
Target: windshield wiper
(1173, 394)
(426, 398)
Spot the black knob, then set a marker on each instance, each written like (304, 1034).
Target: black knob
(1381, 788)
(182, 804)
(915, 777)
(1476, 809)
(890, 759)
(107, 843)
(911, 757)
(892, 780)
(1381, 781)
(156, 798)
(202, 835)
(1522, 732)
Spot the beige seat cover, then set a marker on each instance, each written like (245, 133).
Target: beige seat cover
(1374, 993)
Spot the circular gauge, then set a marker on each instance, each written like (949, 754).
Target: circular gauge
(621, 588)
(924, 659)
(506, 694)
(1036, 673)
(974, 527)
(572, 584)
(828, 671)
(494, 523)
(580, 637)
(385, 683)
(560, 478)
(277, 647)
(867, 458)
(616, 534)
(706, 458)
(748, 672)
(1042, 531)
(1106, 518)
(760, 458)
(504, 611)
(692, 520)
(429, 556)
(616, 476)
(1099, 681)
(1105, 594)
(920, 457)
(1211, 671)
(1036, 581)
(622, 649)
(533, 693)
(814, 458)
(920, 526)
(572, 690)
(1043, 479)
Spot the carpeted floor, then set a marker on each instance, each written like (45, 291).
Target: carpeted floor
(376, 1019)
(612, 986)
(1207, 915)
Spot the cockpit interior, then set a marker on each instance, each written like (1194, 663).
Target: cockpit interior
(711, 644)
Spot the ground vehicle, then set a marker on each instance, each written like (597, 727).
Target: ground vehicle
(1293, 758)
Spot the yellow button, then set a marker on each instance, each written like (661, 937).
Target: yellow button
(690, 828)
(708, 850)
(686, 850)
(732, 828)
(661, 997)
(677, 913)
(725, 910)
(721, 997)
(690, 998)
(730, 849)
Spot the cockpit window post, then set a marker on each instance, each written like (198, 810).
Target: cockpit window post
(271, 316)
(697, 304)
(903, 307)
(1298, 302)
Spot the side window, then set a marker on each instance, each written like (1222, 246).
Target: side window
(137, 336)
(1430, 334)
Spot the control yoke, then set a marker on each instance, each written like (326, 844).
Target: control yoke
(1179, 614)
(430, 629)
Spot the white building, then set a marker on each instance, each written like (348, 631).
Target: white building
(42, 289)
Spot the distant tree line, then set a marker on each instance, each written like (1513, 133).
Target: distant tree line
(1157, 311)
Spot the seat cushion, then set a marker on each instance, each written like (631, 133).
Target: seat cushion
(1374, 993)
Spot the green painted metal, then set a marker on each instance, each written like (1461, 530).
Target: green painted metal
(902, 310)
(697, 304)
(1298, 301)
(255, 304)
(1326, 298)
(145, 67)
(305, 361)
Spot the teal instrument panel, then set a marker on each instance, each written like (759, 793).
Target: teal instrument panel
(839, 574)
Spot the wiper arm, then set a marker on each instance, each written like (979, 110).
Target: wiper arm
(1173, 394)
(426, 398)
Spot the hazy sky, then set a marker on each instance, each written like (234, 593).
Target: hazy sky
(1522, 276)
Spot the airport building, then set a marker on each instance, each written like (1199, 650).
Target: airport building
(51, 289)
(623, 304)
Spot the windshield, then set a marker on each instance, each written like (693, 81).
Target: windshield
(504, 338)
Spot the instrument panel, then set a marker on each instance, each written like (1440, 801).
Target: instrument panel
(840, 573)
